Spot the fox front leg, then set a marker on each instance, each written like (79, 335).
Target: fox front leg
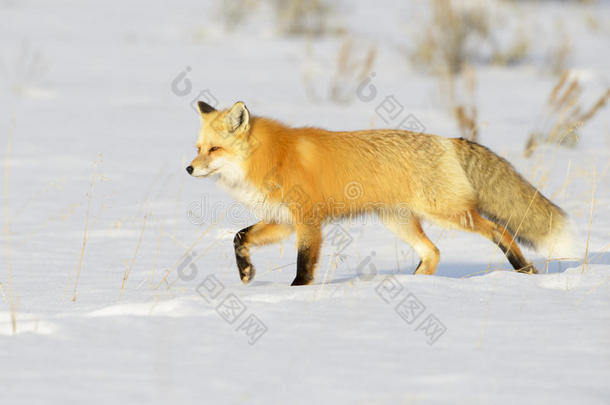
(242, 256)
(259, 234)
(309, 240)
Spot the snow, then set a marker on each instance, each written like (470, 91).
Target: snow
(100, 142)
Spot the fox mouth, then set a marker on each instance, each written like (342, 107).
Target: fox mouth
(208, 174)
(197, 172)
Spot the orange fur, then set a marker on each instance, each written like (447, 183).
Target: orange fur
(304, 177)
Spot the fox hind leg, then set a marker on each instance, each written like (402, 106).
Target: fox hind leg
(501, 237)
(409, 230)
(259, 234)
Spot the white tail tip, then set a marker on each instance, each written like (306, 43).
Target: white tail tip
(563, 243)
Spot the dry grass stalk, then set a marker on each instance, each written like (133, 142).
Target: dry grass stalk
(467, 122)
(564, 115)
(353, 65)
(85, 238)
(351, 70)
(584, 262)
(157, 250)
(304, 17)
(97, 163)
(457, 26)
(309, 74)
(514, 53)
(133, 259)
(234, 12)
(7, 230)
(458, 33)
(190, 248)
(292, 17)
(601, 102)
(84, 244)
(461, 89)
(559, 55)
(27, 72)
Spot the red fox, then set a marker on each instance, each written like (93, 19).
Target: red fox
(298, 179)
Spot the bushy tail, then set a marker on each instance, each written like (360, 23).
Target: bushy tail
(506, 198)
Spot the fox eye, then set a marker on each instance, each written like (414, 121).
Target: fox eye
(198, 149)
(213, 148)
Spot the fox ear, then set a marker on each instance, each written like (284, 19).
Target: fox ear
(204, 107)
(238, 117)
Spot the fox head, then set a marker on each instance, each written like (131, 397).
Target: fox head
(223, 143)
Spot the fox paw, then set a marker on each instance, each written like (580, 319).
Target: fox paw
(529, 269)
(247, 274)
(302, 281)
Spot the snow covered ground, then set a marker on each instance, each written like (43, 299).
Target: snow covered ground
(117, 273)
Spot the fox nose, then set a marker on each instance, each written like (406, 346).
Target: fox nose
(189, 169)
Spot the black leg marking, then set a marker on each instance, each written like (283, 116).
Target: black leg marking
(518, 263)
(418, 266)
(305, 267)
(242, 256)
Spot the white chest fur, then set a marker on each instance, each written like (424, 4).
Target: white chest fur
(257, 201)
